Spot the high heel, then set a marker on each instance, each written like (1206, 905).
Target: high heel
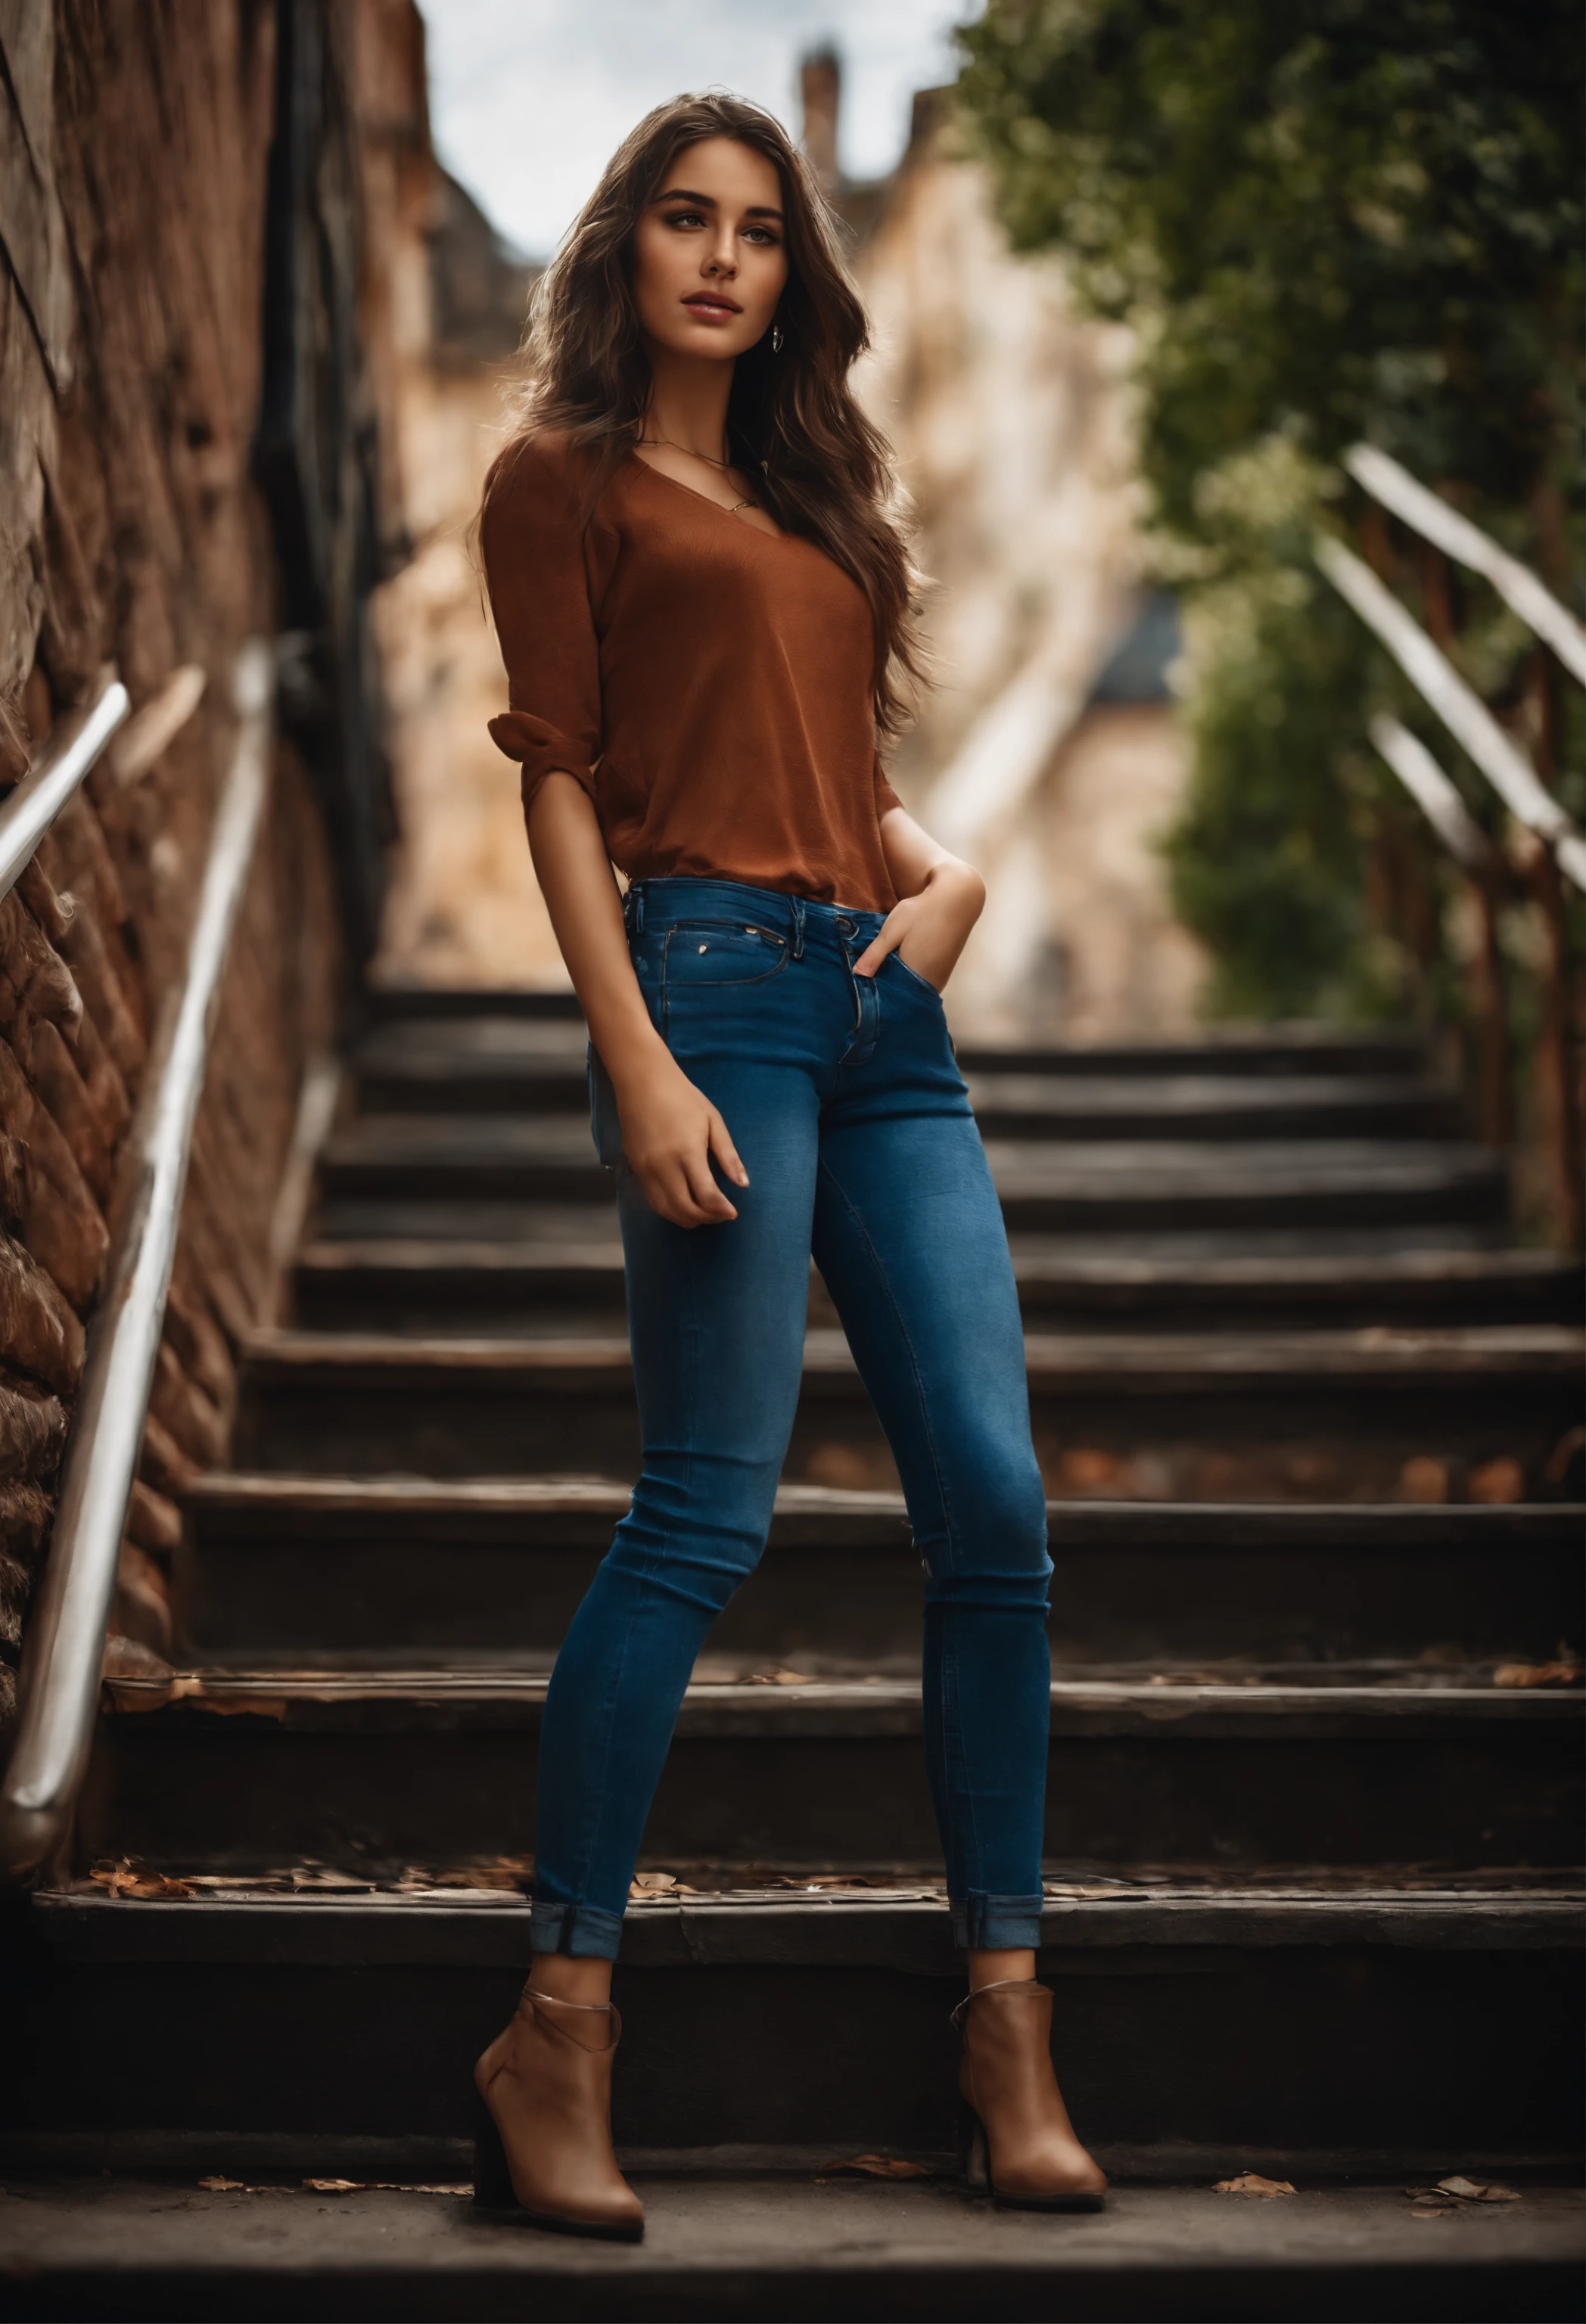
(973, 2162)
(492, 2182)
(1016, 2141)
(542, 2145)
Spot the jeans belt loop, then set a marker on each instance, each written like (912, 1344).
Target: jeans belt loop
(633, 909)
(798, 903)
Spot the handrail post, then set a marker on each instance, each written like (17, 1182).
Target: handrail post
(64, 1647)
(1482, 868)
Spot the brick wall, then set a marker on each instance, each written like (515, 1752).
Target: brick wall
(134, 184)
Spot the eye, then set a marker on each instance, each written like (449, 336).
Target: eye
(761, 234)
(685, 217)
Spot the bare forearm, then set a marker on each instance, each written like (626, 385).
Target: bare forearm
(671, 1133)
(917, 862)
(575, 876)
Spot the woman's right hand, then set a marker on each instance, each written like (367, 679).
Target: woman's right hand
(671, 1132)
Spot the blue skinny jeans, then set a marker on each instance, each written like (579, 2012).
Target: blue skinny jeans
(845, 1103)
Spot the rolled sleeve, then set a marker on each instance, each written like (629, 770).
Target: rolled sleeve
(532, 545)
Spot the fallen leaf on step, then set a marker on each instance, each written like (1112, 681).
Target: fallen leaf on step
(380, 2187)
(825, 1881)
(660, 1884)
(1463, 2190)
(1251, 2182)
(1085, 1469)
(848, 1467)
(1537, 1675)
(779, 1678)
(129, 1658)
(129, 1876)
(1423, 1478)
(878, 2166)
(225, 2186)
(1497, 1482)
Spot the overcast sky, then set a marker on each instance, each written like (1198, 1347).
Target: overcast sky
(529, 97)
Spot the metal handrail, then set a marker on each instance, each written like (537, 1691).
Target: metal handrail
(64, 1648)
(74, 743)
(1462, 711)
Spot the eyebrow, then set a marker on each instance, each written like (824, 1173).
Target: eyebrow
(709, 202)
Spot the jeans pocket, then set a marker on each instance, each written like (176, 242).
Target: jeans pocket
(712, 952)
(914, 976)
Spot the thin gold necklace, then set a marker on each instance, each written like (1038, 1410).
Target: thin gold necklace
(724, 466)
(672, 447)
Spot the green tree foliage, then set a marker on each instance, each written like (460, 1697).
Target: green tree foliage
(1328, 220)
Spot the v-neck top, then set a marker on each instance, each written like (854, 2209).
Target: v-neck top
(708, 684)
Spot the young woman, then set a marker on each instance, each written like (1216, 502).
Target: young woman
(703, 605)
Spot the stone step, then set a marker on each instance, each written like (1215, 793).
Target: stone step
(244, 1770)
(1241, 1288)
(464, 1004)
(1263, 1052)
(1212, 1105)
(814, 2246)
(450, 1219)
(1048, 1185)
(405, 1283)
(1301, 1412)
(471, 1015)
(1198, 2028)
(496, 1066)
(484, 1064)
(292, 1571)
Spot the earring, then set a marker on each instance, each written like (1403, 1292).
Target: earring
(776, 338)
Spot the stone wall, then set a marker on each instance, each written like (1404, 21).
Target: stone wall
(135, 210)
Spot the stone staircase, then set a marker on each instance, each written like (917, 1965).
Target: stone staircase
(1313, 1430)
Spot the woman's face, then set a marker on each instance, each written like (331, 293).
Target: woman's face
(710, 255)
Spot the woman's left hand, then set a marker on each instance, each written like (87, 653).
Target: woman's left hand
(930, 929)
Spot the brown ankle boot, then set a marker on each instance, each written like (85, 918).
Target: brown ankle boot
(543, 2150)
(1020, 2144)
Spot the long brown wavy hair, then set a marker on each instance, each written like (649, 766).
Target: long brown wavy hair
(792, 419)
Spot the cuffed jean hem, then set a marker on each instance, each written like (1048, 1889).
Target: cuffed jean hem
(982, 1923)
(580, 1929)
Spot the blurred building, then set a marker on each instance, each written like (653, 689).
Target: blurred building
(1048, 750)
(1049, 753)
(464, 906)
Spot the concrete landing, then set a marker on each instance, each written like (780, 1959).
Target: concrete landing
(125, 2248)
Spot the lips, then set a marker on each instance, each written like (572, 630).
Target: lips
(711, 302)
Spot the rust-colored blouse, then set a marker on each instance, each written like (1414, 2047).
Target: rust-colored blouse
(708, 684)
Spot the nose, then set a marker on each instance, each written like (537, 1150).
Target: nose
(723, 260)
